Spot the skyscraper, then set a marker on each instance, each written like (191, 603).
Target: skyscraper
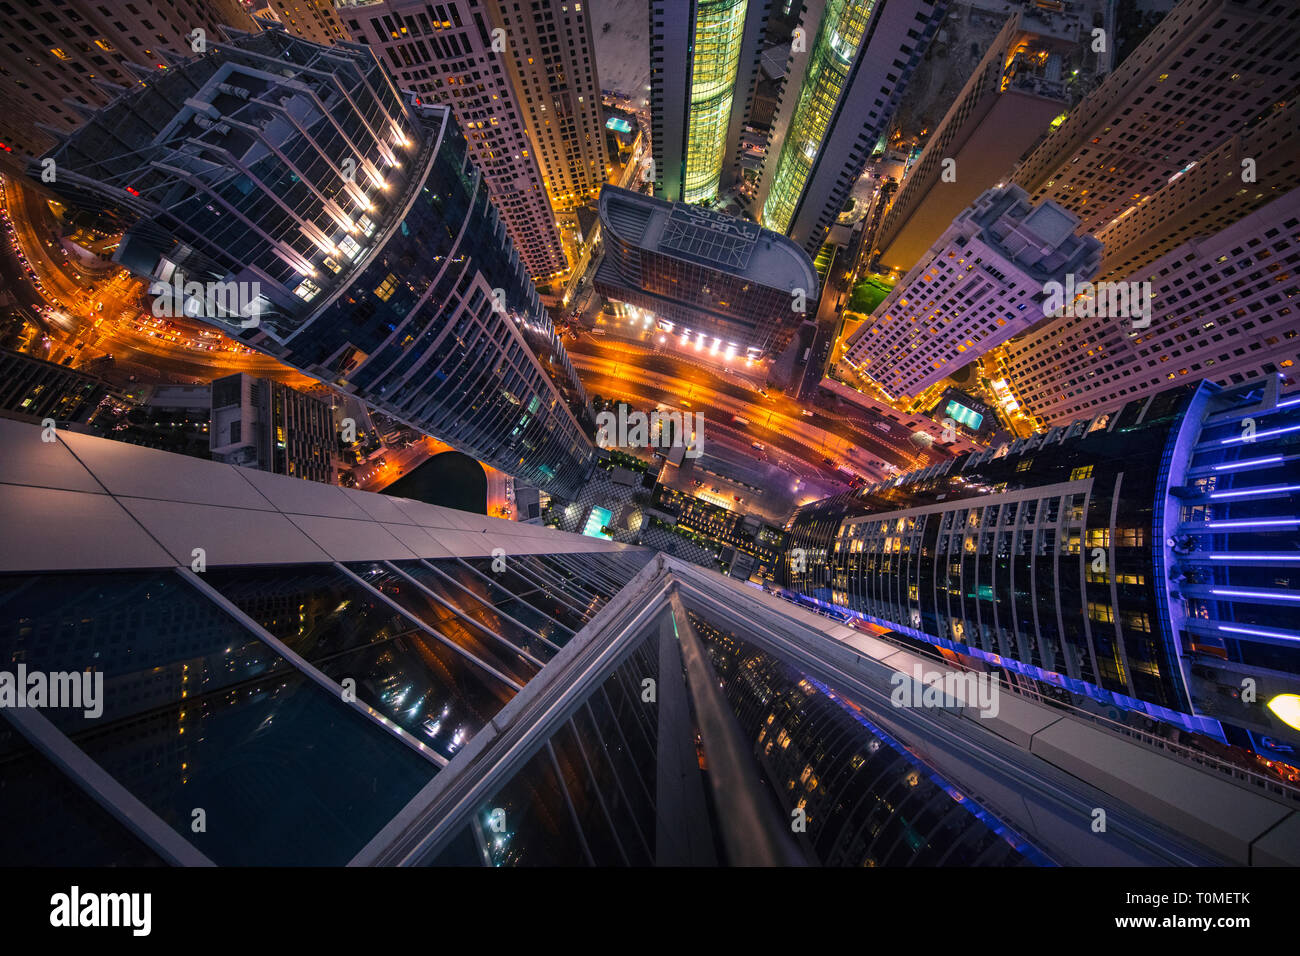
(1016, 90)
(552, 65)
(315, 20)
(719, 281)
(326, 221)
(1208, 68)
(704, 65)
(859, 59)
(38, 389)
(449, 54)
(69, 59)
(1223, 309)
(1250, 169)
(258, 423)
(981, 283)
(351, 678)
(1143, 558)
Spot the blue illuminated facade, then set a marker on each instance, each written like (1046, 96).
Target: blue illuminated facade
(1146, 559)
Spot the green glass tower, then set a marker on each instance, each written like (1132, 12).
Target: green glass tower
(850, 71)
(719, 29)
(704, 64)
(838, 38)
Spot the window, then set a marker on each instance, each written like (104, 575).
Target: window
(1101, 612)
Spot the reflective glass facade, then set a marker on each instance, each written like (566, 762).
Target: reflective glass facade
(383, 266)
(705, 273)
(867, 801)
(603, 789)
(204, 711)
(364, 679)
(839, 35)
(719, 29)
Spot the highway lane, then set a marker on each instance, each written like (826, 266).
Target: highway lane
(620, 370)
(783, 437)
(99, 311)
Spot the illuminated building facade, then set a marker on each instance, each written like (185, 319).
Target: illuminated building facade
(1144, 558)
(979, 284)
(720, 281)
(550, 55)
(1223, 309)
(359, 231)
(258, 423)
(860, 57)
(447, 53)
(704, 66)
(1207, 70)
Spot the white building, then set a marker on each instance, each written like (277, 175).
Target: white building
(1226, 307)
(979, 284)
(447, 53)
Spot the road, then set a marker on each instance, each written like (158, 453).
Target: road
(88, 315)
(619, 369)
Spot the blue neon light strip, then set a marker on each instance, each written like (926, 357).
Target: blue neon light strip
(1256, 437)
(1265, 595)
(1258, 633)
(1274, 490)
(1196, 724)
(1246, 464)
(1243, 556)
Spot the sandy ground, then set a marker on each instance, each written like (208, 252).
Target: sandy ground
(622, 50)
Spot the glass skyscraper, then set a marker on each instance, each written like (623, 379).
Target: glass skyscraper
(347, 233)
(838, 37)
(704, 64)
(294, 673)
(719, 29)
(842, 90)
(719, 281)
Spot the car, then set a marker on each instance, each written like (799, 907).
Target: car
(763, 392)
(806, 413)
(757, 444)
